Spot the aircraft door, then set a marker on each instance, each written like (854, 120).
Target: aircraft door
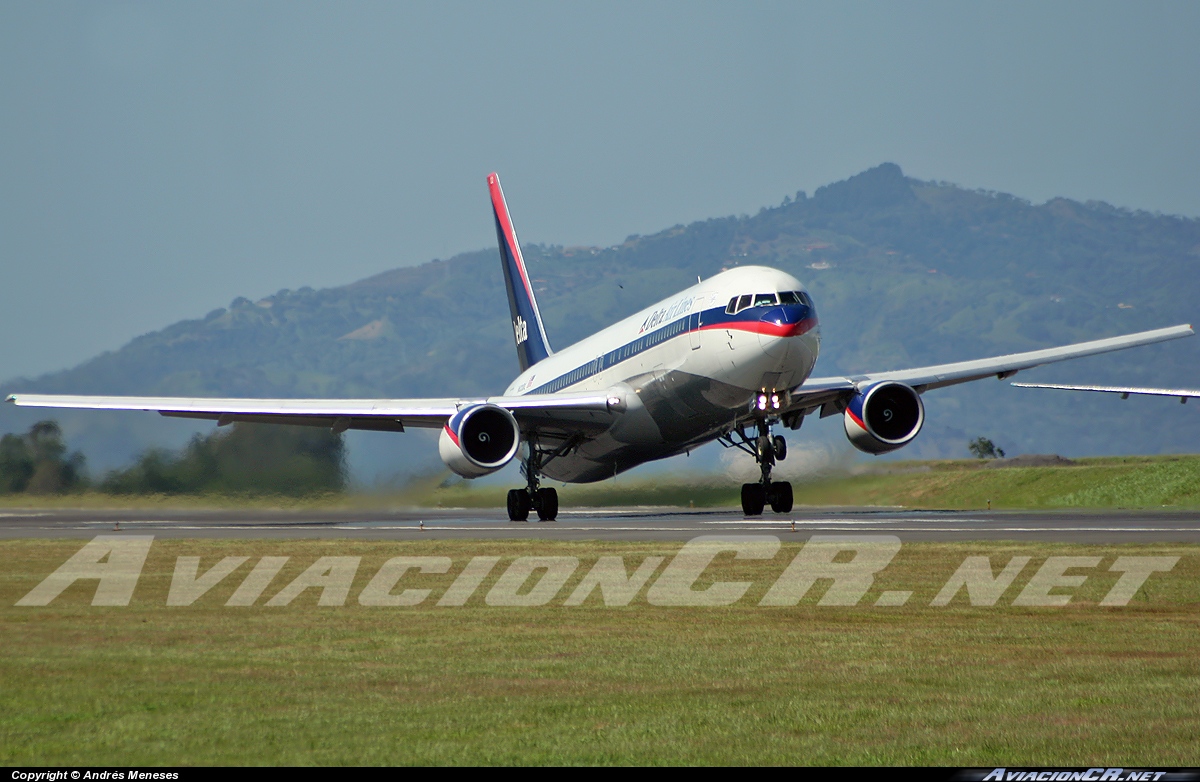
(694, 330)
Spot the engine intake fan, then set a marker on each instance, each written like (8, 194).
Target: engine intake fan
(478, 440)
(884, 417)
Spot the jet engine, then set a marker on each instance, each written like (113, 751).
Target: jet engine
(884, 417)
(478, 440)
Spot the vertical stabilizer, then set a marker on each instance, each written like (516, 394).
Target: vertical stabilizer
(528, 331)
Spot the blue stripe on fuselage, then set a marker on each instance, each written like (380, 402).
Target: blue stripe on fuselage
(789, 314)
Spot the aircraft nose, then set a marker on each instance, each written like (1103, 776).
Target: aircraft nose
(776, 323)
(784, 320)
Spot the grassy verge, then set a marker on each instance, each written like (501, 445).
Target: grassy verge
(1118, 482)
(1114, 482)
(93, 500)
(1111, 482)
(959, 685)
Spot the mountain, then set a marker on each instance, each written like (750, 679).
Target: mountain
(903, 272)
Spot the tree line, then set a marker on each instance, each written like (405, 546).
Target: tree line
(246, 459)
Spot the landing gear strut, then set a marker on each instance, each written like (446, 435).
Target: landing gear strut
(533, 497)
(766, 450)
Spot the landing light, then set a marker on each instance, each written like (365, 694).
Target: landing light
(765, 401)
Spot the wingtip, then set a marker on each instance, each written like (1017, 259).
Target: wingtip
(11, 398)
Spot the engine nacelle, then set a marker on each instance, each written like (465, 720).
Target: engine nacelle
(884, 417)
(478, 440)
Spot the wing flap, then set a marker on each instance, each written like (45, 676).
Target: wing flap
(336, 423)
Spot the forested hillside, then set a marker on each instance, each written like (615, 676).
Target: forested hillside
(903, 272)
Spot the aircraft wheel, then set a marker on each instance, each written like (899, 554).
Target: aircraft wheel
(780, 496)
(547, 504)
(780, 446)
(518, 505)
(753, 499)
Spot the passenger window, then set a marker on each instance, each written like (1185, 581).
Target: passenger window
(764, 300)
(732, 307)
(744, 302)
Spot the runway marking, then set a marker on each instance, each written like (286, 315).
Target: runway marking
(631, 523)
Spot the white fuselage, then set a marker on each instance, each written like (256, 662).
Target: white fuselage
(686, 367)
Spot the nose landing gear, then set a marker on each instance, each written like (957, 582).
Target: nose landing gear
(766, 450)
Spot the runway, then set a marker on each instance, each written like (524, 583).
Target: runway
(613, 524)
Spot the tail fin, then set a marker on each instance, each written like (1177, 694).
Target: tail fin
(528, 331)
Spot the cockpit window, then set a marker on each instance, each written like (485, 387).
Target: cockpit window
(790, 297)
(764, 299)
(732, 306)
(744, 302)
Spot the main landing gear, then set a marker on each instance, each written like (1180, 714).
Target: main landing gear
(533, 497)
(766, 450)
(521, 501)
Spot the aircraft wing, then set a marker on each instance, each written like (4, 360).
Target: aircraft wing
(832, 391)
(389, 415)
(1124, 391)
(568, 413)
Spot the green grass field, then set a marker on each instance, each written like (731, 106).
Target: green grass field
(742, 684)
(1109, 482)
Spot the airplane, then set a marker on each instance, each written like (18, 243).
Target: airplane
(1183, 394)
(727, 359)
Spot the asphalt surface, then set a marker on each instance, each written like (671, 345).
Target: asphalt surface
(609, 524)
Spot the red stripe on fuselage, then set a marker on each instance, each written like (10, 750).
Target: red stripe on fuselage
(510, 236)
(763, 327)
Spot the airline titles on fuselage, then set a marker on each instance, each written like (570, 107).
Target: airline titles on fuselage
(664, 314)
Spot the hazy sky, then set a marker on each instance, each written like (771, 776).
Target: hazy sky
(159, 159)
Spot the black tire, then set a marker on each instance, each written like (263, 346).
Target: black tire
(754, 498)
(780, 447)
(780, 495)
(518, 505)
(547, 504)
